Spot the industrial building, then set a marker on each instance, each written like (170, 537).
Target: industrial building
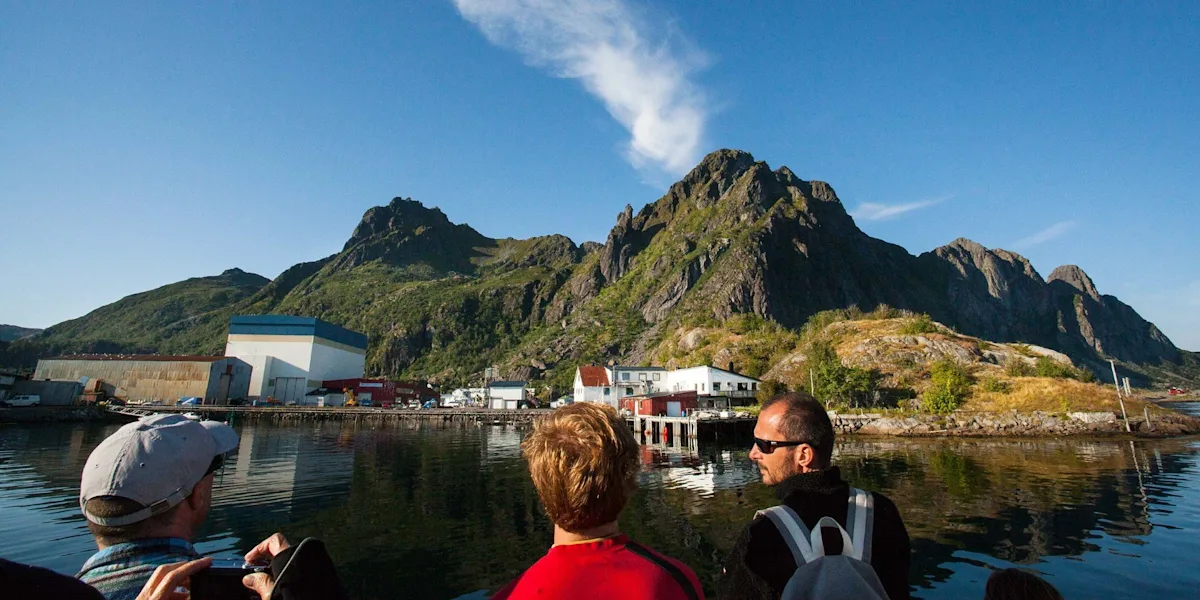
(149, 378)
(507, 394)
(292, 356)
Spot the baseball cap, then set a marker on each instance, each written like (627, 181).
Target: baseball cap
(154, 461)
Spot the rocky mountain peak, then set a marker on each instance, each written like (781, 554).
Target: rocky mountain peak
(1076, 278)
(403, 216)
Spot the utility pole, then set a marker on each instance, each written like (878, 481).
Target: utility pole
(1117, 382)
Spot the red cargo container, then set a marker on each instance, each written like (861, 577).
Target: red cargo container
(667, 405)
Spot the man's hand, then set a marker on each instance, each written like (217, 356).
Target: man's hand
(261, 583)
(167, 578)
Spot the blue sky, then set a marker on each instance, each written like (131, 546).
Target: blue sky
(141, 144)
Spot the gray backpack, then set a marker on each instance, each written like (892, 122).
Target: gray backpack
(846, 576)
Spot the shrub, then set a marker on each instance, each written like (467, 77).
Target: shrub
(1018, 368)
(918, 325)
(1048, 367)
(1086, 375)
(991, 384)
(950, 385)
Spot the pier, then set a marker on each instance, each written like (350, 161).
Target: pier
(484, 416)
(673, 432)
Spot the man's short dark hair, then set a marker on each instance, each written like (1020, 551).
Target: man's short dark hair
(805, 420)
(115, 506)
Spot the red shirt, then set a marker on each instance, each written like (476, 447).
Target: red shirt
(613, 568)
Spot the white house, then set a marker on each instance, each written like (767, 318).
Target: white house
(711, 381)
(506, 394)
(592, 384)
(637, 381)
(291, 356)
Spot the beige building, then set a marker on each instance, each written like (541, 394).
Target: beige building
(146, 378)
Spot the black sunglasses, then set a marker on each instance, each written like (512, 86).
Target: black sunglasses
(767, 446)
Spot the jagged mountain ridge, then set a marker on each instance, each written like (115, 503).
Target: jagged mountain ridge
(733, 237)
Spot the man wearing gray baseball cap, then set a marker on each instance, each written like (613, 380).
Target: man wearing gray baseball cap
(145, 490)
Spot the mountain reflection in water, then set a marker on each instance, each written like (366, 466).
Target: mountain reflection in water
(426, 512)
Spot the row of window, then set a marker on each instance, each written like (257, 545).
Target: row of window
(642, 377)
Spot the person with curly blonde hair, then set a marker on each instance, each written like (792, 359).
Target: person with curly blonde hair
(583, 459)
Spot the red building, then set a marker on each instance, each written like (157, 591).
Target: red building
(384, 392)
(668, 405)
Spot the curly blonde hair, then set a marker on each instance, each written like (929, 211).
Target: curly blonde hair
(584, 462)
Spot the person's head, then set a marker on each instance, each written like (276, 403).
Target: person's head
(1015, 584)
(153, 478)
(584, 462)
(804, 434)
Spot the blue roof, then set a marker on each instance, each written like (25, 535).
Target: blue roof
(291, 325)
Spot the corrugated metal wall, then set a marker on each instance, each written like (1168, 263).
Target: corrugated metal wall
(135, 380)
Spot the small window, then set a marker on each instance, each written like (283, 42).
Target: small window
(270, 383)
(657, 376)
(702, 387)
(624, 376)
(754, 386)
(716, 386)
(641, 376)
(607, 392)
(628, 391)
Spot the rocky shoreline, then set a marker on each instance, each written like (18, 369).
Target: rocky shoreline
(1036, 424)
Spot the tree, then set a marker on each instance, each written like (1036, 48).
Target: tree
(768, 389)
(837, 384)
(949, 386)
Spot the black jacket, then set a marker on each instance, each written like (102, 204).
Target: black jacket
(306, 571)
(761, 564)
(19, 581)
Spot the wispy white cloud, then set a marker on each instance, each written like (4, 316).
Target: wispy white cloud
(642, 80)
(1054, 231)
(872, 211)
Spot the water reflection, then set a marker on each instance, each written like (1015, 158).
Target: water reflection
(435, 512)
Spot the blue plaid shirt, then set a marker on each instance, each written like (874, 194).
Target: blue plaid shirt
(120, 571)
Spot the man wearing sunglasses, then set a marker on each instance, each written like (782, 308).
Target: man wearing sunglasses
(793, 449)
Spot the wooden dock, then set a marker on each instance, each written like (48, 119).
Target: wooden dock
(363, 413)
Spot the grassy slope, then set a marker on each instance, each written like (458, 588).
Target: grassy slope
(169, 319)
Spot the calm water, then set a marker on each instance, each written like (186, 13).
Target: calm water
(437, 513)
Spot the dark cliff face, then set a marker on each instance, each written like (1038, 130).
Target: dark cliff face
(994, 294)
(1104, 324)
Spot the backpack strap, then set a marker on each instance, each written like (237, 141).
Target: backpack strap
(860, 524)
(794, 532)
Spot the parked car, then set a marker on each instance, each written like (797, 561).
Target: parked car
(22, 400)
(115, 402)
(190, 401)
